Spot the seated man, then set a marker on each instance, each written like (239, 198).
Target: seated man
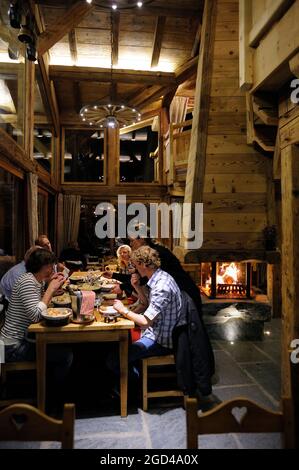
(12, 275)
(73, 253)
(161, 315)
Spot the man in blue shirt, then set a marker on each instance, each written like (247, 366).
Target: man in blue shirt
(12, 275)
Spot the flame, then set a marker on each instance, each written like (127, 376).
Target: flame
(230, 274)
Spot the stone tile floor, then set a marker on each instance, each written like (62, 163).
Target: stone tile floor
(247, 369)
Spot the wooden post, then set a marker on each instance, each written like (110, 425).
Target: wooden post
(199, 134)
(246, 52)
(214, 280)
(290, 271)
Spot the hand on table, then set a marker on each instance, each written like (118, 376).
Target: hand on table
(119, 307)
(117, 290)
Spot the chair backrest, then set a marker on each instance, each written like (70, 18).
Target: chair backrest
(235, 416)
(25, 423)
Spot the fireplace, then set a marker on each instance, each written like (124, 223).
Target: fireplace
(226, 280)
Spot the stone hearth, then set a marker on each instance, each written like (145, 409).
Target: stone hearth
(236, 321)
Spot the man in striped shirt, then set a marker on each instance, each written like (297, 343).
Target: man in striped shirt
(28, 301)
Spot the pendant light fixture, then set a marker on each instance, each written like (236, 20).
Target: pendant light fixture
(108, 113)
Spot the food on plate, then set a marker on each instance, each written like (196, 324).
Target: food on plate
(57, 312)
(109, 296)
(89, 287)
(62, 299)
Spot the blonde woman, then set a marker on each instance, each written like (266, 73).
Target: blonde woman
(124, 259)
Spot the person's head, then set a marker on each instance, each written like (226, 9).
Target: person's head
(146, 260)
(74, 245)
(123, 253)
(142, 237)
(41, 263)
(44, 242)
(30, 251)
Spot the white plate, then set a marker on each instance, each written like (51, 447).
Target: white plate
(108, 310)
(62, 313)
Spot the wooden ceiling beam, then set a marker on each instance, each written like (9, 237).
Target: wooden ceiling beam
(158, 37)
(115, 37)
(185, 71)
(92, 74)
(195, 47)
(131, 96)
(73, 45)
(168, 97)
(68, 21)
(159, 94)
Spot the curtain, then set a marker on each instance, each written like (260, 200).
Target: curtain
(177, 113)
(71, 218)
(60, 225)
(32, 182)
(178, 110)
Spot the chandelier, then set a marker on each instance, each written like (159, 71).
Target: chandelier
(108, 113)
(120, 4)
(103, 114)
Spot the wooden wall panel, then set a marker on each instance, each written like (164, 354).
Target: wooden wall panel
(235, 188)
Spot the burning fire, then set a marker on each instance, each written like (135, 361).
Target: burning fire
(227, 274)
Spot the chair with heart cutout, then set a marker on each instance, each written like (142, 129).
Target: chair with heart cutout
(23, 422)
(238, 416)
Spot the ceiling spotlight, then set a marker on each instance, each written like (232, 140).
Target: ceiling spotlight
(26, 35)
(114, 6)
(88, 1)
(139, 4)
(15, 15)
(13, 52)
(31, 52)
(111, 121)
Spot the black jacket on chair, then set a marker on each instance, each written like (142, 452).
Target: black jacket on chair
(194, 357)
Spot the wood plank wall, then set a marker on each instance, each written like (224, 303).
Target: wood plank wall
(235, 187)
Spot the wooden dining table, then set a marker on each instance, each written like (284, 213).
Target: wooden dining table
(97, 331)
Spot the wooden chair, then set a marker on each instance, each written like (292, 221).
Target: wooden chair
(14, 367)
(26, 423)
(236, 416)
(154, 362)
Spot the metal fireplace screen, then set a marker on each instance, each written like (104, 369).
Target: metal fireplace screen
(226, 280)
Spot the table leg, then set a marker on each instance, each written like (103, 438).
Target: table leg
(123, 360)
(41, 372)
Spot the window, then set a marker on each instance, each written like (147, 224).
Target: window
(138, 156)
(11, 215)
(43, 141)
(83, 156)
(42, 150)
(12, 79)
